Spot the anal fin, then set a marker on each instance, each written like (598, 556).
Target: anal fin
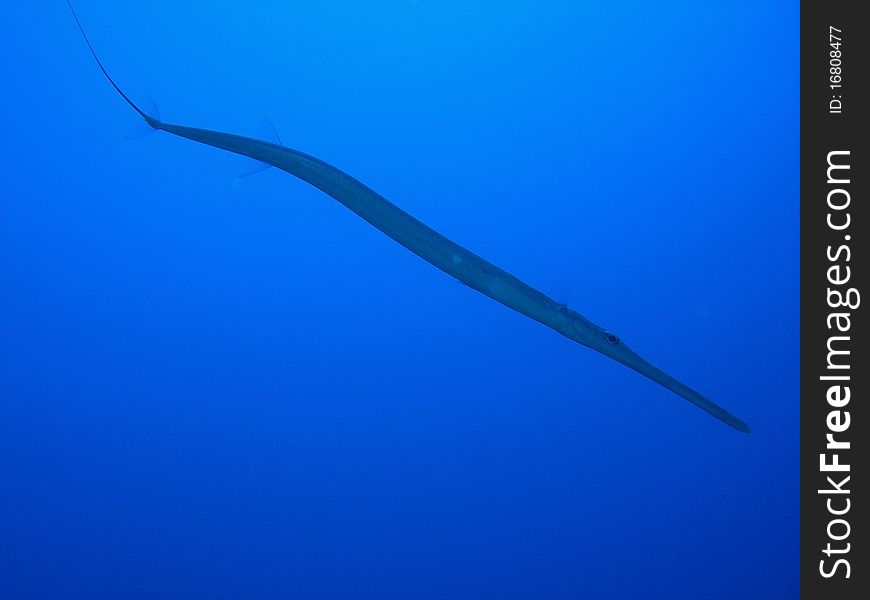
(268, 132)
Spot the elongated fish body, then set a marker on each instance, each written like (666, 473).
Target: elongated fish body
(431, 246)
(413, 234)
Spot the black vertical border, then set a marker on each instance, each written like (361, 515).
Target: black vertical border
(823, 132)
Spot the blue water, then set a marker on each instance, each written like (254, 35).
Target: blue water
(213, 387)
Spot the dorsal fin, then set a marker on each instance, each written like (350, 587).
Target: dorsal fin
(267, 132)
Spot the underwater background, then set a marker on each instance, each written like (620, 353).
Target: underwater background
(224, 387)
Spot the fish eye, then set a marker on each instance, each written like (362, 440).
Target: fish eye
(611, 338)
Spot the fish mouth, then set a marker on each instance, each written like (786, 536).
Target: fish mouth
(625, 355)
